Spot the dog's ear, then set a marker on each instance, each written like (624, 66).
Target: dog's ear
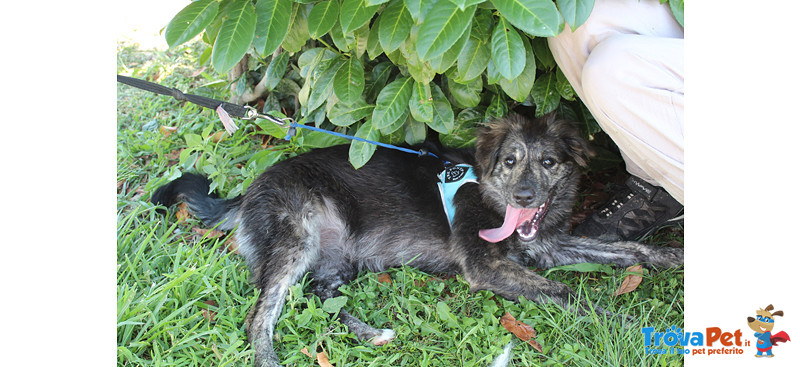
(487, 147)
(576, 146)
(769, 308)
(777, 313)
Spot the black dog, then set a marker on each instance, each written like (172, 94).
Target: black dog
(315, 213)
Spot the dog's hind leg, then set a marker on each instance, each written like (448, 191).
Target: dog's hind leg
(280, 247)
(327, 280)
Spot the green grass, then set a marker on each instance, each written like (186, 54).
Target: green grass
(170, 279)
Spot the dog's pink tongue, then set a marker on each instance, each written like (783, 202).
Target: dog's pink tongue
(511, 222)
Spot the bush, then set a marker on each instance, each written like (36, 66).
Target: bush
(388, 70)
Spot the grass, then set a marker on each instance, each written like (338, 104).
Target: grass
(182, 297)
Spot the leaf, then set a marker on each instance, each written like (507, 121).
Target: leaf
(323, 86)
(384, 278)
(276, 70)
(575, 12)
(632, 281)
(520, 87)
(190, 21)
(272, 24)
(322, 359)
(333, 305)
(563, 86)
(521, 330)
(379, 76)
(395, 25)
(538, 18)
(322, 18)
(207, 313)
(545, 94)
(443, 117)
(443, 26)
(448, 58)
(353, 14)
(677, 10)
(234, 36)
(208, 233)
(444, 313)
(473, 59)
(346, 115)
(466, 95)
(508, 53)
(348, 83)
(421, 102)
(392, 102)
(298, 32)
(418, 8)
(361, 152)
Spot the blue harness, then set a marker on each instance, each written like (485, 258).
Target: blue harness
(450, 180)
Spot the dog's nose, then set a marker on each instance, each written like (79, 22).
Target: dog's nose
(524, 197)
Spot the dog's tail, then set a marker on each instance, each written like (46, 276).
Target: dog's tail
(208, 207)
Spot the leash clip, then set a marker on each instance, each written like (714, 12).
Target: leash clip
(252, 114)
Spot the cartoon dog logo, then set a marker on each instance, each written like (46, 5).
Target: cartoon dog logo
(762, 324)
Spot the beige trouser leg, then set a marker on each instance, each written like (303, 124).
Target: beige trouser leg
(626, 65)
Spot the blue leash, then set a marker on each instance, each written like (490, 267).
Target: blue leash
(225, 110)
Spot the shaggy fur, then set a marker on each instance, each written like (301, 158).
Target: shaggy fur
(315, 213)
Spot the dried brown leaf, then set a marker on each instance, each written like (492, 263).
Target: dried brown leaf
(632, 281)
(305, 351)
(167, 130)
(218, 136)
(208, 314)
(522, 330)
(210, 233)
(322, 359)
(183, 212)
(384, 278)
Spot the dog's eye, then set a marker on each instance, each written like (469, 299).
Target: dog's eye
(510, 161)
(548, 162)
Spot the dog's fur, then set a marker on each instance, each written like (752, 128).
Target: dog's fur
(315, 213)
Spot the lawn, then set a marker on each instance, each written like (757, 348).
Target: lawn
(183, 292)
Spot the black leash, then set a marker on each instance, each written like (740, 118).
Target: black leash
(247, 112)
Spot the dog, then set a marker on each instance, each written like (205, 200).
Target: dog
(314, 213)
(763, 324)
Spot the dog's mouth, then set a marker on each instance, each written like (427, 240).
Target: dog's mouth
(524, 221)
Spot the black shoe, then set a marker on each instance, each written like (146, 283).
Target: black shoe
(632, 214)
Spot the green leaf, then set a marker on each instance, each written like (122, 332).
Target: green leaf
(392, 102)
(374, 48)
(508, 53)
(272, 24)
(394, 26)
(276, 70)
(472, 60)
(544, 58)
(298, 32)
(418, 8)
(443, 26)
(563, 86)
(361, 152)
(444, 313)
(190, 21)
(446, 60)
(379, 75)
(234, 36)
(538, 18)
(520, 87)
(354, 14)
(376, 2)
(575, 12)
(677, 10)
(443, 117)
(463, 134)
(421, 102)
(497, 108)
(323, 86)
(322, 18)
(466, 95)
(333, 305)
(545, 94)
(345, 115)
(415, 132)
(348, 84)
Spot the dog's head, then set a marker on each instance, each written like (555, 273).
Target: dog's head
(764, 320)
(528, 168)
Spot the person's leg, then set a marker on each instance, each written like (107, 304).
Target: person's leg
(626, 65)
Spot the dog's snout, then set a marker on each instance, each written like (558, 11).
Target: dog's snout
(524, 196)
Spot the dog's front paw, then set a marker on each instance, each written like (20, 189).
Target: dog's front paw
(384, 337)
